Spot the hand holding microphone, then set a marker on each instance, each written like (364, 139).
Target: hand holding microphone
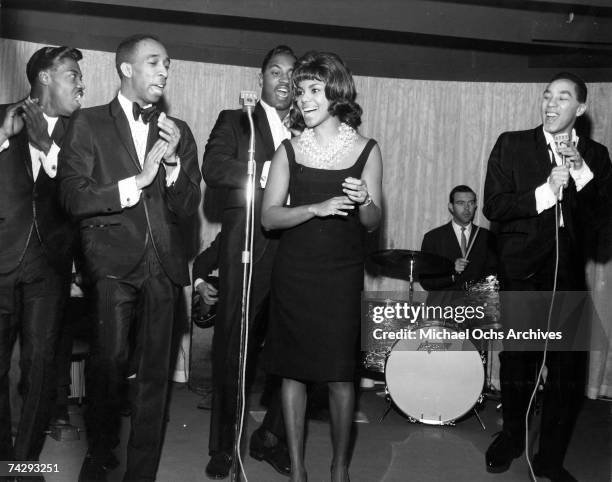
(559, 176)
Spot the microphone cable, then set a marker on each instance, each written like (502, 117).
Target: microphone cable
(545, 351)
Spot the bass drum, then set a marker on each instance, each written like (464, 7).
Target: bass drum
(436, 377)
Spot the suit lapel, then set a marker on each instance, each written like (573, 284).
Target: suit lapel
(455, 250)
(261, 125)
(123, 130)
(542, 153)
(24, 146)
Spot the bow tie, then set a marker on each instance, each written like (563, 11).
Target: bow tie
(147, 114)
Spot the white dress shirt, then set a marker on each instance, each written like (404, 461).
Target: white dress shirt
(280, 132)
(468, 232)
(129, 194)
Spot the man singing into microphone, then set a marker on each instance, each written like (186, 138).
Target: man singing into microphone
(225, 166)
(525, 175)
(129, 175)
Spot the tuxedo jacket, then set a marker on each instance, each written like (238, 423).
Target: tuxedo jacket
(443, 242)
(519, 163)
(31, 208)
(225, 166)
(98, 151)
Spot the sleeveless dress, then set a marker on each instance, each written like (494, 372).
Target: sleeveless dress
(317, 279)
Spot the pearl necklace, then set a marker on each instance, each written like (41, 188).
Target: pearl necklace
(325, 157)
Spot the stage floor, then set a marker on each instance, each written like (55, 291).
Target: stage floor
(393, 450)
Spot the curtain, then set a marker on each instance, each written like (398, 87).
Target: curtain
(433, 135)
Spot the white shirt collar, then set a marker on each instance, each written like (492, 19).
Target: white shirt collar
(457, 228)
(51, 121)
(270, 111)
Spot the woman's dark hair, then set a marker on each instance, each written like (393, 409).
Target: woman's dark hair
(339, 87)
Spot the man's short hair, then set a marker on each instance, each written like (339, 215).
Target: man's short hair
(127, 47)
(279, 49)
(47, 57)
(460, 188)
(581, 88)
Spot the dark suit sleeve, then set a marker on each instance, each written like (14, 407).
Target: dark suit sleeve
(492, 260)
(221, 166)
(502, 200)
(80, 195)
(183, 197)
(431, 283)
(207, 260)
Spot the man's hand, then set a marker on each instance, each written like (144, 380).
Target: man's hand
(570, 154)
(559, 176)
(208, 292)
(12, 122)
(170, 132)
(460, 265)
(151, 164)
(37, 125)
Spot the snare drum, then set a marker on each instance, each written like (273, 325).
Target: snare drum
(436, 377)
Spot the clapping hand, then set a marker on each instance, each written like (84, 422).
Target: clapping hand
(151, 164)
(12, 122)
(170, 132)
(37, 125)
(355, 189)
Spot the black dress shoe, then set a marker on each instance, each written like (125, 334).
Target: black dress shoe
(502, 452)
(555, 474)
(219, 466)
(277, 455)
(92, 469)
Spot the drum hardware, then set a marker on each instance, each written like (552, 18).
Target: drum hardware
(402, 262)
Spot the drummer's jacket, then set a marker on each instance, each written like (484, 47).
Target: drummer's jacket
(443, 242)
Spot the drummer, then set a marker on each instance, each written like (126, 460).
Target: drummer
(469, 247)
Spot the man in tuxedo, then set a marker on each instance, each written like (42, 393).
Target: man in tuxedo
(453, 240)
(525, 175)
(225, 166)
(36, 241)
(129, 175)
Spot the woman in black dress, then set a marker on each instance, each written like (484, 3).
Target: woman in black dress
(323, 191)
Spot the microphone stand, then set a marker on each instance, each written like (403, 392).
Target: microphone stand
(247, 270)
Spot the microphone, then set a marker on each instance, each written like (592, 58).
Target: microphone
(248, 99)
(561, 141)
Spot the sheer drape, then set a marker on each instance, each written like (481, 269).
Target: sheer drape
(433, 135)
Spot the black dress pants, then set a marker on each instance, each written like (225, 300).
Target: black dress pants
(564, 387)
(226, 339)
(32, 298)
(145, 300)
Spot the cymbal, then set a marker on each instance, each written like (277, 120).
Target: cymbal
(399, 261)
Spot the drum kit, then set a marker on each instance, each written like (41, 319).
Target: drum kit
(432, 382)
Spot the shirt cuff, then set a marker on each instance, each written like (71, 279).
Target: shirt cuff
(263, 179)
(581, 176)
(197, 282)
(5, 145)
(129, 194)
(545, 198)
(173, 176)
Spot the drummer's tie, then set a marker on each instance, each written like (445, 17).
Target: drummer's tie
(463, 242)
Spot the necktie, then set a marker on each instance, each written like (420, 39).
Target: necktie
(463, 242)
(147, 114)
